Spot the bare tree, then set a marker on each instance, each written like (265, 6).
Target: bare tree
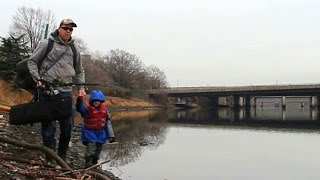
(32, 23)
(82, 46)
(94, 70)
(98, 55)
(156, 77)
(123, 67)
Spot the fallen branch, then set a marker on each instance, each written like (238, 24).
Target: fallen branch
(87, 170)
(50, 153)
(32, 162)
(5, 108)
(37, 147)
(97, 165)
(97, 175)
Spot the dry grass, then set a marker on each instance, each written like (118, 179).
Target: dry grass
(10, 97)
(133, 102)
(118, 115)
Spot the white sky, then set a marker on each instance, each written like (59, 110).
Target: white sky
(199, 42)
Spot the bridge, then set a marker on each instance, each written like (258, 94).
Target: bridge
(243, 95)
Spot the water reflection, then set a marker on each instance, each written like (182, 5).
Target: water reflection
(267, 116)
(134, 134)
(141, 131)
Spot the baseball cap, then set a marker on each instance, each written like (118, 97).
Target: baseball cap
(68, 22)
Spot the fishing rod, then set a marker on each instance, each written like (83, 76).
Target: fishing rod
(57, 83)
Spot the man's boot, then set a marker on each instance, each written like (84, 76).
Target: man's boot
(95, 160)
(88, 162)
(63, 156)
(62, 150)
(51, 144)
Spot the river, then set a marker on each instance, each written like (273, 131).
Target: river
(267, 142)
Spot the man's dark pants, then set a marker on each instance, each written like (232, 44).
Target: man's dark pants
(49, 130)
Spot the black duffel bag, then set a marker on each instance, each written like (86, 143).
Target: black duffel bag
(40, 111)
(23, 76)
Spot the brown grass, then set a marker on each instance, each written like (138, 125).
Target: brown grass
(132, 102)
(118, 115)
(10, 97)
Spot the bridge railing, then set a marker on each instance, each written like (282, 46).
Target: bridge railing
(234, 88)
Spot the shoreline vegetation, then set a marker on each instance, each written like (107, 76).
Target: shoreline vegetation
(10, 98)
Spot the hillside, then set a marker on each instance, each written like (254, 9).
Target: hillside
(10, 97)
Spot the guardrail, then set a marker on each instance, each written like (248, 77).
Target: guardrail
(216, 89)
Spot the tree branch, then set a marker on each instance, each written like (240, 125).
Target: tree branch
(36, 147)
(50, 153)
(5, 108)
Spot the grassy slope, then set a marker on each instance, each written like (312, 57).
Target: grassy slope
(9, 97)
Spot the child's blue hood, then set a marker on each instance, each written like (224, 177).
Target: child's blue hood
(96, 95)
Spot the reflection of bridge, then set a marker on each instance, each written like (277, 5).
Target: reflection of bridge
(254, 117)
(242, 95)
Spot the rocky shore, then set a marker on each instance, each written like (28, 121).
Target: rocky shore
(13, 169)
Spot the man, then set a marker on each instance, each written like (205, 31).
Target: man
(60, 65)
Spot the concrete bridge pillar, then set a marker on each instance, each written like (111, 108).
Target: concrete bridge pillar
(235, 101)
(313, 113)
(241, 101)
(313, 101)
(284, 105)
(247, 101)
(254, 100)
(284, 114)
(247, 104)
(317, 112)
(318, 100)
(231, 101)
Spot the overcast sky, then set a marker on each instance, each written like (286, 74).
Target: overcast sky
(199, 42)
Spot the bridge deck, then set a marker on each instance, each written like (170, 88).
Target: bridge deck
(297, 89)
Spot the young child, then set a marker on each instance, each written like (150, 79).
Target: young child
(96, 129)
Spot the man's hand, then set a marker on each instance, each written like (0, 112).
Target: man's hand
(39, 84)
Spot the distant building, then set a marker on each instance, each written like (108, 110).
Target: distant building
(85, 57)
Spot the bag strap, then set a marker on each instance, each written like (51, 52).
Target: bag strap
(74, 51)
(55, 62)
(49, 48)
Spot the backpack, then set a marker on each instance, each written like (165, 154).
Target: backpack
(23, 77)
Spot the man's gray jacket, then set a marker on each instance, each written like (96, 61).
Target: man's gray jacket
(64, 70)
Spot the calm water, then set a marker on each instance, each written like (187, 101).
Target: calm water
(262, 143)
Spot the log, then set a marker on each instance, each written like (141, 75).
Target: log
(37, 147)
(50, 153)
(22, 160)
(5, 108)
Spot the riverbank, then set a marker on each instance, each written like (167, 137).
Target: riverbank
(30, 134)
(27, 163)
